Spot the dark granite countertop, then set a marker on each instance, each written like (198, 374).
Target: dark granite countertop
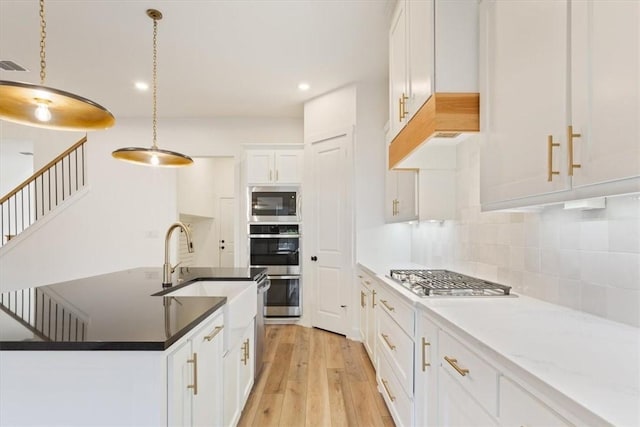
(120, 311)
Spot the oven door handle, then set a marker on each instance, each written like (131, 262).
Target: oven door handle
(274, 236)
(283, 277)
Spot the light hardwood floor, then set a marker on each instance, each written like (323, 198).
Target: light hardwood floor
(312, 377)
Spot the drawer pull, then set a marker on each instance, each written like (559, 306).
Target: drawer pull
(362, 297)
(424, 351)
(386, 388)
(386, 304)
(373, 298)
(360, 276)
(194, 386)
(215, 332)
(385, 337)
(454, 363)
(367, 282)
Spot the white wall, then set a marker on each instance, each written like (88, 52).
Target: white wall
(587, 260)
(120, 221)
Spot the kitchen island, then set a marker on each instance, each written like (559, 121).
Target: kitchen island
(504, 360)
(119, 349)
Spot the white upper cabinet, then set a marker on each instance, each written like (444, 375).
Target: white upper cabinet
(605, 88)
(398, 87)
(548, 66)
(401, 195)
(274, 166)
(196, 195)
(420, 61)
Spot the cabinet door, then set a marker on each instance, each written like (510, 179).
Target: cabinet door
(425, 371)
(372, 325)
(525, 98)
(260, 167)
(456, 407)
(421, 31)
(400, 199)
(231, 402)
(605, 77)
(207, 345)
(245, 375)
(364, 321)
(288, 167)
(397, 69)
(180, 377)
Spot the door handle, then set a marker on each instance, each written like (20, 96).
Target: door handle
(221, 247)
(314, 258)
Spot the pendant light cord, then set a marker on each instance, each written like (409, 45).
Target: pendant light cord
(43, 36)
(155, 82)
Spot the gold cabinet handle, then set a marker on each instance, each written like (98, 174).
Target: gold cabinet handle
(400, 113)
(403, 101)
(246, 351)
(550, 145)
(276, 175)
(424, 357)
(362, 297)
(570, 136)
(360, 277)
(385, 337)
(373, 299)
(215, 332)
(385, 384)
(454, 363)
(194, 386)
(386, 304)
(397, 207)
(367, 282)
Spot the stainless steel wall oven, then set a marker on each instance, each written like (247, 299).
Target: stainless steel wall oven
(277, 248)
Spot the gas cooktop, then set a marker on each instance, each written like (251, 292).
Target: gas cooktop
(426, 283)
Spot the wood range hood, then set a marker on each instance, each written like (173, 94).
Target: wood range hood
(443, 115)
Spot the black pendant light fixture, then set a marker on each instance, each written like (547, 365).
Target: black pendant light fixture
(45, 107)
(153, 156)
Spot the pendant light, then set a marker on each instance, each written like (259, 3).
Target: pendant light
(153, 156)
(45, 107)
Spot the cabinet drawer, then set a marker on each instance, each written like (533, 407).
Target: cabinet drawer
(399, 403)
(472, 373)
(519, 408)
(398, 346)
(401, 311)
(365, 279)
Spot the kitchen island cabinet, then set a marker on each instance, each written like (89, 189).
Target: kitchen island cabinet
(529, 362)
(148, 355)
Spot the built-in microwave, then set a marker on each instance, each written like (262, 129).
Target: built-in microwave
(274, 204)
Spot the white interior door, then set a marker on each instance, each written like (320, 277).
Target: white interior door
(331, 207)
(226, 232)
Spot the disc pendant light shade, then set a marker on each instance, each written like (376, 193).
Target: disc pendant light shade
(45, 107)
(153, 156)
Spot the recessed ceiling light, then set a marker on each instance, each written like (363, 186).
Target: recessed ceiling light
(304, 86)
(142, 86)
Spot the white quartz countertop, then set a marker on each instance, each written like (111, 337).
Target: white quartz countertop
(589, 361)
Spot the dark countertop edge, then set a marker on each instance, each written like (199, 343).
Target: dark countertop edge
(110, 345)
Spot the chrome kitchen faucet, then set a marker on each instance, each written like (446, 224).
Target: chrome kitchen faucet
(167, 270)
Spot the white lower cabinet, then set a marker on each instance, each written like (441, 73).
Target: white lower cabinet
(195, 378)
(399, 403)
(367, 286)
(519, 408)
(426, 372)
(238, 375)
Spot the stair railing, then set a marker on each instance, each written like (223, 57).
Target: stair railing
(39, 194)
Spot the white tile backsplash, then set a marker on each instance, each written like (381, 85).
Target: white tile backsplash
(586, 260)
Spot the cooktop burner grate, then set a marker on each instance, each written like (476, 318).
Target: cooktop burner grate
(447, 283)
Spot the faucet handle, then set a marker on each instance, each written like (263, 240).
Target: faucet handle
(173, 269)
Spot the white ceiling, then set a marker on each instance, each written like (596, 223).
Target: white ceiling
(216, 58)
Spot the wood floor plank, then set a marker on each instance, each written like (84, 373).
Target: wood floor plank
(388, 421)
(366, 408)
(269, 410)
(294, 404)
(340, 399)
(318, 409)
(288, 333)
(279, 372)
(298, 369)
(333, 350)
(272, 338)
(353, 363)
